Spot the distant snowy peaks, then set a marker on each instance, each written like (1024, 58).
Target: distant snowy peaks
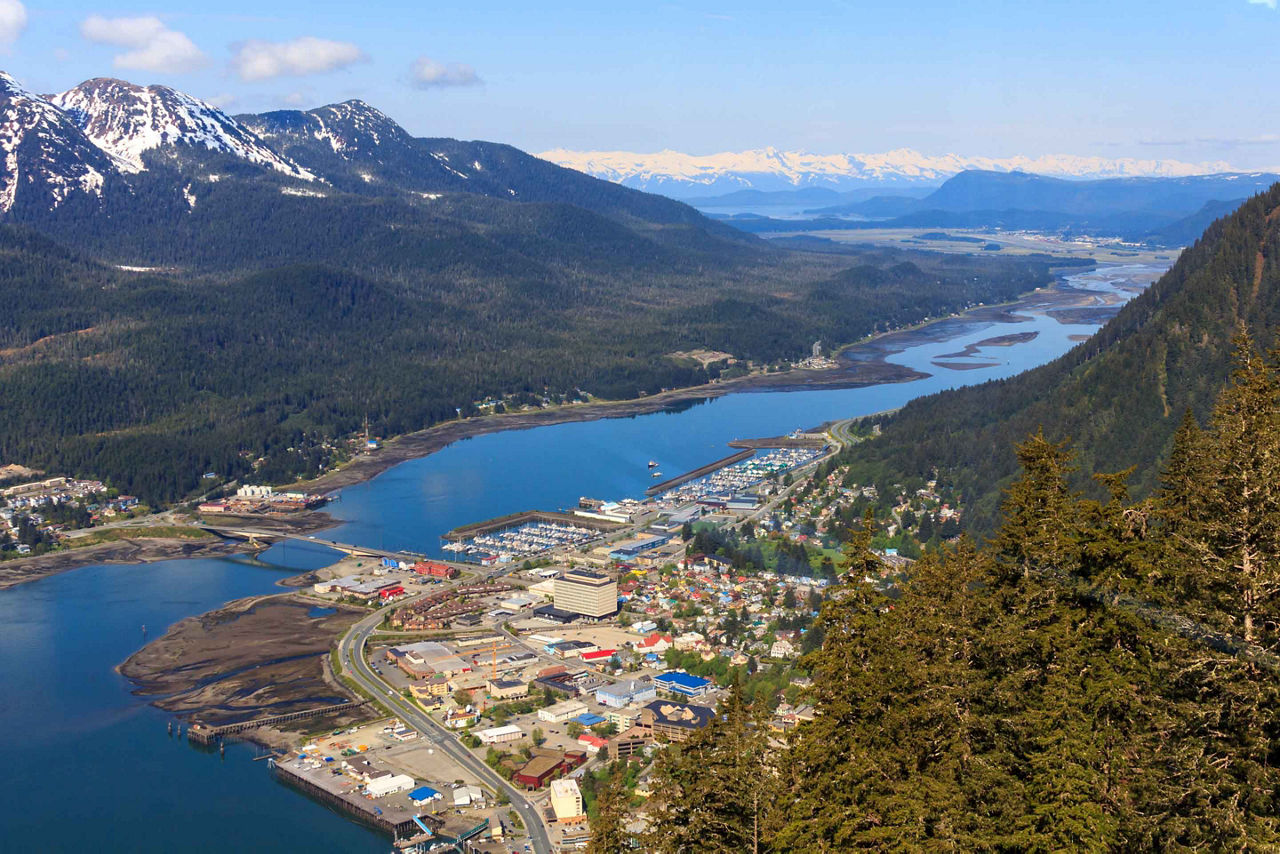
(126, 121)
(771, 169)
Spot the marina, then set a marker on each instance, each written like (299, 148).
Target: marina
(520, 535)
(748, 473)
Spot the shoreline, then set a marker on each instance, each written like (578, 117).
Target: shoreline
(124, 551)
(862, 363)
(423, 443)
(128, 550)
(250, 657)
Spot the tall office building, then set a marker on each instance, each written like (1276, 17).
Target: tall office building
(591, 594)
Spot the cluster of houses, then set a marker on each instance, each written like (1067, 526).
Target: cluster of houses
(709, 585)
(31, 502)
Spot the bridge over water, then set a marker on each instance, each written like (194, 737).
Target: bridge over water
(261, 537)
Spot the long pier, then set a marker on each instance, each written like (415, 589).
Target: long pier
(204, 734)
(672, 483)
(258, 537)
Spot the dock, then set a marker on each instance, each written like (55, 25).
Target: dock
(702, 471)
(391, 815)
(515, 520)
(800, 441)
(205, 734)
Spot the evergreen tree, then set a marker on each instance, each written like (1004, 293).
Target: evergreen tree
(718, 791)
(1037, 533)
(609, 833)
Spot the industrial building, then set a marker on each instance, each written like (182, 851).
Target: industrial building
(500, 734)
(560, 712)
(621, 694)
(587, 593)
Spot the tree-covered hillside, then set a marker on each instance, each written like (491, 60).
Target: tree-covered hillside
(147, 380)
(1119, 396)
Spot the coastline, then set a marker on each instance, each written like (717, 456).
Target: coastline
(862, 363)
(131, 550)
(423, 443)
(257, 656)
(142, 549)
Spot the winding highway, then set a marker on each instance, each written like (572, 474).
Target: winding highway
(353, 663)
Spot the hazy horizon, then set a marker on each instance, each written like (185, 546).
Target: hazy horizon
(1144, 80)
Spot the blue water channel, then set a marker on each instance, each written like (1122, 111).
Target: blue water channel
(91, 767)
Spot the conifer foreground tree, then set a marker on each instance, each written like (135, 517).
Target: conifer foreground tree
(609, 833)
(1103, 675)
(718, 791)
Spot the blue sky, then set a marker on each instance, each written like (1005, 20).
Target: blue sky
(1196, 80)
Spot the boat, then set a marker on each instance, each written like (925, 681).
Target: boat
(652, 464)
(657, 474)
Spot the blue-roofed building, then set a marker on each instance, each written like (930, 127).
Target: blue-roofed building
(424, 795)
(589, 719)
(683, 683)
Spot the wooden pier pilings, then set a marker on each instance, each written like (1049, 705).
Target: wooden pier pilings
(204, 734)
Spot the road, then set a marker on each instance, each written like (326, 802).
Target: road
(351, 656)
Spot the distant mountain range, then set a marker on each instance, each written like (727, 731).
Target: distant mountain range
(1163, 211)
(689, 176)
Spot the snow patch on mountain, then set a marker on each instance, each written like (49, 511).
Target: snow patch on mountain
(769, 168)
(44, 153)
(127, 120)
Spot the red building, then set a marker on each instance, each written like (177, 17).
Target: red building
(391, 591)
(435, 569)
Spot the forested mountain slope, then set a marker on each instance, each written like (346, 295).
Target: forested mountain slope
(1118, 396)
(148, 379)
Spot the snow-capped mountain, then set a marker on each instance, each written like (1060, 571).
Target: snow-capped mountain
(47, 159)
(126, 121)
(350, 129)
(688, 176)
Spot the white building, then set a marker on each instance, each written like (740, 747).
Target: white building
(782, 649)
(566, 800)
(383, 786)
(500, 734)
(561, 711)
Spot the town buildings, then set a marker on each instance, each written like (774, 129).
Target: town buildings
(586, 593)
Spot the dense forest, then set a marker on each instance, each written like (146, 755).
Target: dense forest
(1119, 396)
(217, 360)
(1102, 675)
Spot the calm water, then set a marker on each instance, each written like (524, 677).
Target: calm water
(91, 767)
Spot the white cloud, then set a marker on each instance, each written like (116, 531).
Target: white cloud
(260, 60)
(13, 20)
(222, 101)
(1270, 4)
(427, 73)
(151, 46)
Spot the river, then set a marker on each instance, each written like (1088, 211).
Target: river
(91, 766)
